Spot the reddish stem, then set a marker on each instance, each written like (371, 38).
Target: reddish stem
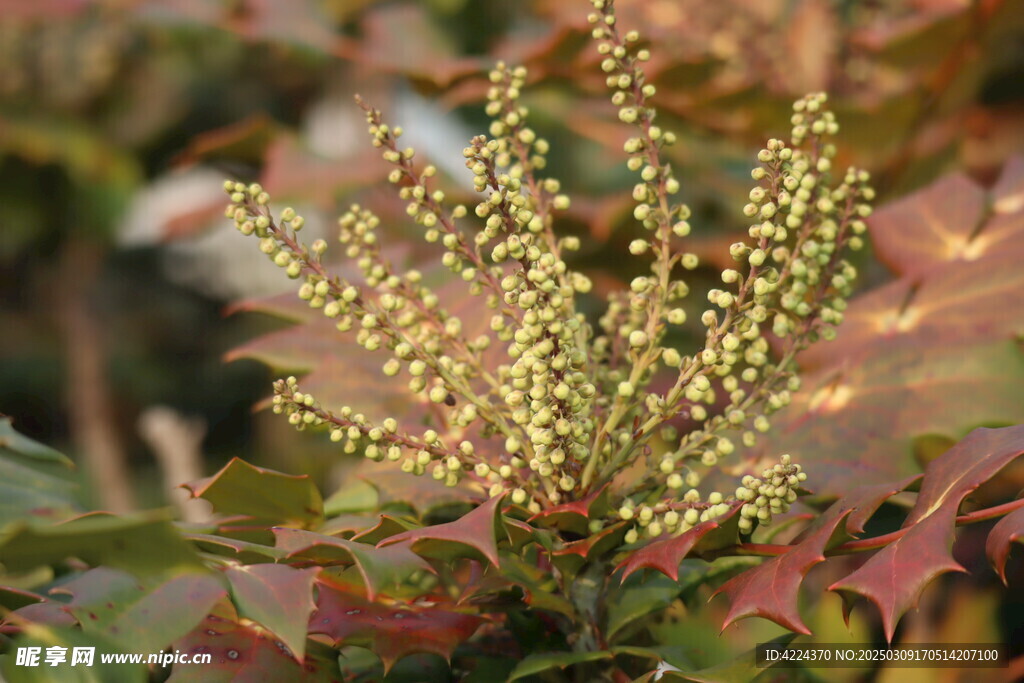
(864, 544)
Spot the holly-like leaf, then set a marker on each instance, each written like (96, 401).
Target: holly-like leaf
(246, 652)
(243, 551)
(665, 555)
(380, 567)
(141, 616)
(575, 515)
(392, 632)
(276, 596)
(771, 590)
(897, 574)
(539, 663)
(475, 534)
(572, 556)
(144, 544)
(244, 489)
(1008, 530)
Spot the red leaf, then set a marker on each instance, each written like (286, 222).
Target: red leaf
(771, 589)
(666, 555)
(930, 227)
(1008, 530)
(392, 632)
(476, 530)
(895, 576)
(575, 515)
(244, 652)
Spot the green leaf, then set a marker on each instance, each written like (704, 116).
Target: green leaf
(535, 664)
(635, 599)
(244, 489)
(243, 551)
(475, 534)
(34, 479)
(143, 544)
(379, 567)
(741, 669)
(277, 596)
(140, 616)
(357, 496)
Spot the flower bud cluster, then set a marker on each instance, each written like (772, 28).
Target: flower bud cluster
(546, 387)
(426, 208)
(674, 517)
(769, 495)
(569, 410)
(418, 456)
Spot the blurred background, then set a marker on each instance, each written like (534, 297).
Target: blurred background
(128, 333)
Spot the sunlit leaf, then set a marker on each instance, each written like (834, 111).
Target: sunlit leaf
(476, 533)
(244, 489)
(897, 574)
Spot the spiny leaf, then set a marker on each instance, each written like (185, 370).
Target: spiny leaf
(144, 544)
(278, 597)
(243, 551)
(379, 567)
(573, 555)
(575, 515)
(1010, 529)
(895, 576)
(665, 555)
(244, 489)
(245, 652)
(538, 663)
(391, 632)
(771, 589)
(476, 531)
(935, 352)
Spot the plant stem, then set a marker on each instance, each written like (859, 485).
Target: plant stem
(866, 544)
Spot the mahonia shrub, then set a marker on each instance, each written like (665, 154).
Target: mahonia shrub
(578, 464)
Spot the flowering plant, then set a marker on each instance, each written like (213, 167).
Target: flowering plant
(578, 451)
